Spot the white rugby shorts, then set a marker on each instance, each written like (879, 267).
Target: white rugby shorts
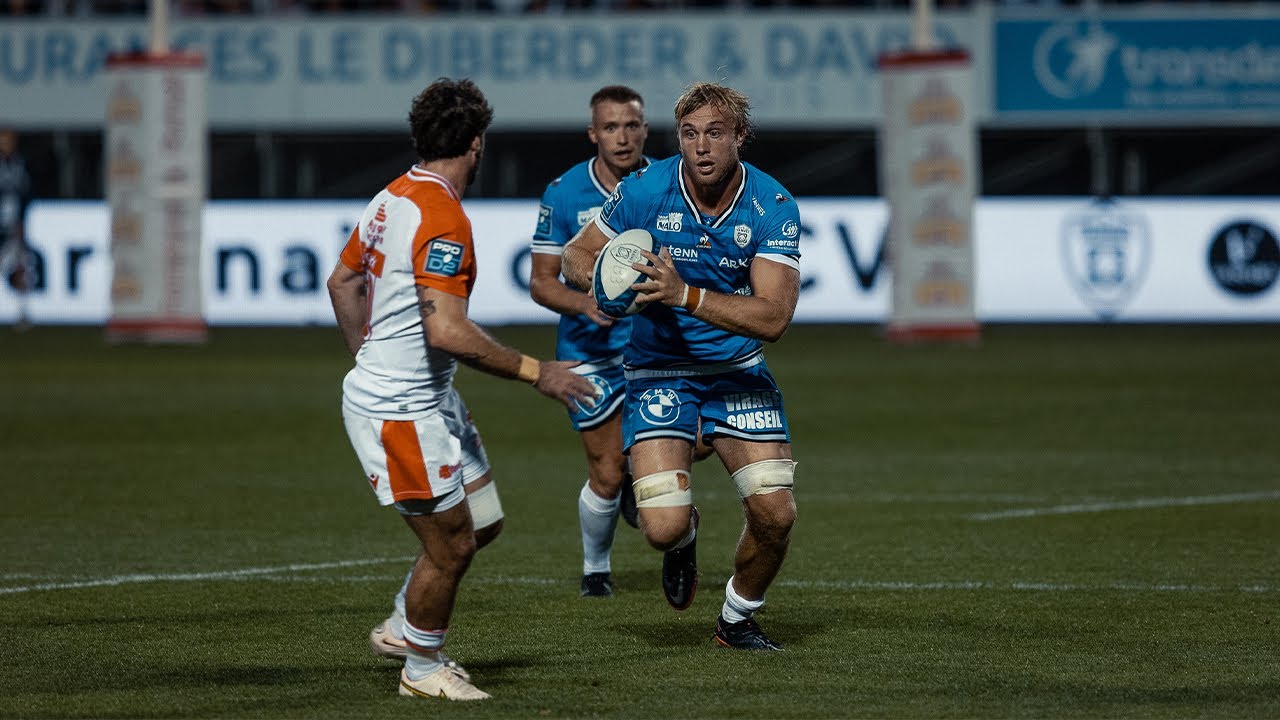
(420, 459)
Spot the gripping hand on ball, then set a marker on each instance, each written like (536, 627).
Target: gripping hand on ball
(664, 284)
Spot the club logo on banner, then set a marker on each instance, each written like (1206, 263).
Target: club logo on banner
(1071, 58)
(1244, 258)
(1106, 251)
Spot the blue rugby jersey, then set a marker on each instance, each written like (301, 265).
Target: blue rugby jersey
(713, 253)
(569, 202)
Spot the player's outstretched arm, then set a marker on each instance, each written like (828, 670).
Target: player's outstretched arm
(765, 314)
(580, 255)
(347, 293)
(447, 328)
(546, 289)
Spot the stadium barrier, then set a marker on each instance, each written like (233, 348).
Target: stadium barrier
(1055, 260)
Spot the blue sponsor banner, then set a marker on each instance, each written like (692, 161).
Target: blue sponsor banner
(1139, 69)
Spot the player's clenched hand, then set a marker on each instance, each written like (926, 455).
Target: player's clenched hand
(664, 284)
(556, 380)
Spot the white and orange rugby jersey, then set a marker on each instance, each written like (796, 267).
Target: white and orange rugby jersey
(412, 233)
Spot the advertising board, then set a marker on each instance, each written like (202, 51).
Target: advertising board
(1061, 260)
(1138, 69)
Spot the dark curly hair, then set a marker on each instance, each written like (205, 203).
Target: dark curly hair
(446, 117)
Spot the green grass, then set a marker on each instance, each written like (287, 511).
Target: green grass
(897, 600)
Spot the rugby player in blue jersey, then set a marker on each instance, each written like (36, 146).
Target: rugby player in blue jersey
(725, 281)
(585, 334)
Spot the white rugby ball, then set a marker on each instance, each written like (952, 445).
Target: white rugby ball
(613, 276)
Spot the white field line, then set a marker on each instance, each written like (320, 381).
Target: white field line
(241, 574)
(1139, 504)
(288, 574)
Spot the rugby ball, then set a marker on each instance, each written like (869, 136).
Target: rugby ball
(613, 276)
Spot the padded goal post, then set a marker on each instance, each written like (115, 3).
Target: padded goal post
(929, 177)
(155, 148)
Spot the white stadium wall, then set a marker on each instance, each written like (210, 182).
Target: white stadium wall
(1059, 260)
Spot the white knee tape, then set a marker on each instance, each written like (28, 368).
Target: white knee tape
(669, 488)
(764, 477)
(486, 507)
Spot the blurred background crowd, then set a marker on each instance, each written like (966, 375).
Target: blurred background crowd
(198, 8)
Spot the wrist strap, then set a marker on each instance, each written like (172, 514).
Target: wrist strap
(530, 369)
(692, 299)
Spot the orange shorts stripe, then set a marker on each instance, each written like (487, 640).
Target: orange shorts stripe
(406, 468)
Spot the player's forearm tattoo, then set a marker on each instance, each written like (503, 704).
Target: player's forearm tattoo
(427, 307)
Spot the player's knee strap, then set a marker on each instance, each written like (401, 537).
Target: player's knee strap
(669, 488)
(486, 507)
(764, 477)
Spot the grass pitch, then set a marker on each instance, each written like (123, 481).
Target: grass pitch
(1061, 521)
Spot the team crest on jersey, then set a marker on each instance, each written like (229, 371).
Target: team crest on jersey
(660, 406)
(742, 235)
(586, 216)
(444, 257)
(671, 222)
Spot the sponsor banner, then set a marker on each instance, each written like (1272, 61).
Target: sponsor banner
(1057, 260)
(1141, 260)
(155, 148)
(928, 145)
(1147, 69)
(812, 70)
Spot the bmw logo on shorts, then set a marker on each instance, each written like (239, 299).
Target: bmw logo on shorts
(659, 406)
(603, 390)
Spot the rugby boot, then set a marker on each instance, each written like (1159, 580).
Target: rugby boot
(444, 683)
(597, 585)
(745, 635)
(680, 571)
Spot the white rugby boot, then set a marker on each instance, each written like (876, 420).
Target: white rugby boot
(444, 683)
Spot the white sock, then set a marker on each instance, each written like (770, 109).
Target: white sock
(598, 517)
(423, 656)
(737, 608)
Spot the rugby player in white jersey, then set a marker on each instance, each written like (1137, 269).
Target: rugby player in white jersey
(618, 130)
(725, 282)
(400, 294)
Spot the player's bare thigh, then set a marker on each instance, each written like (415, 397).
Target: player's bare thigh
(606, 465)
(736, 454)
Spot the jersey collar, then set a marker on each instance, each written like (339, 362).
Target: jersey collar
(595, 179)
(693, 206)
(419, 174)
